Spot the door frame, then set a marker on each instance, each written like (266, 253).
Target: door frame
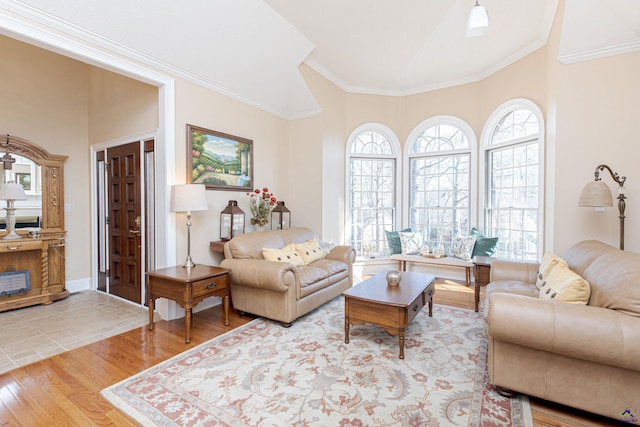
(95, 148)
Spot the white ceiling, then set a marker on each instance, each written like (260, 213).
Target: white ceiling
(251, 49)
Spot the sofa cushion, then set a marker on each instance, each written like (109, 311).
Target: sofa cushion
(549, 261)
(615, 281)
(562, 284)
(286, 254)
(462, 247)
(310, 251)
(410, 241)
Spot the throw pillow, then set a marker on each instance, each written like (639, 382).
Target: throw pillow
(485, 246)
(286, 254)
(549, 261)
(410, 242)
(393, 240)
(310, 251)
(462, 247)
(565, 285)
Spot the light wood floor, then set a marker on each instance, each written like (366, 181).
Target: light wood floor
(64, 390)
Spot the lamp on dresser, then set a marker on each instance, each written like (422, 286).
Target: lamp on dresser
(188, 198)
(12, 191)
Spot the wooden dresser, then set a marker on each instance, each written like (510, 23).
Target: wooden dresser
(40, 253)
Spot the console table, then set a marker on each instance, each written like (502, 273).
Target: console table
(187, 287)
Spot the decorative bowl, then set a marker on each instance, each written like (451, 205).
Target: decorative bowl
(393, 277)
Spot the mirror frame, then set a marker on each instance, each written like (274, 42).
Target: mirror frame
(52, 169)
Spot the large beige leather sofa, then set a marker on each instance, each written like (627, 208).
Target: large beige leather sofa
(583, 356)
(280, 290)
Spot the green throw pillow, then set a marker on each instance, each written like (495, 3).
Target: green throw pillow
(393, 240)
(485, 246)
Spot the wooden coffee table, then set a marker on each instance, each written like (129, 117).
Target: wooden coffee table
(390, 307)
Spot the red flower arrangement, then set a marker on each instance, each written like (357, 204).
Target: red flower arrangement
(261, 202)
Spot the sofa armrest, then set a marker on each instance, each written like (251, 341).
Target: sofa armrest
(346, 254)
(259, 273)
(590, 333)
(523, 271)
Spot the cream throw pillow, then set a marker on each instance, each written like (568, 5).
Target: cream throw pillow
(549, 261)
(310, 251)
(410, 242)
(562, 284)
(462, 247)
(286, 254)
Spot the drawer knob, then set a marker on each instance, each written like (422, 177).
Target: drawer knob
(211, 285)
(415, 307)
(14, 248)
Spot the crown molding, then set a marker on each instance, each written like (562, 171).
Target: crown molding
(589, 55)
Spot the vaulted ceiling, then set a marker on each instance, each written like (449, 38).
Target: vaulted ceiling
(251, 49)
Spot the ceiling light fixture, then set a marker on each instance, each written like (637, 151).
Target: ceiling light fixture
(478, 21)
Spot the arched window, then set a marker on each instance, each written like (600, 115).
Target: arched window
(513, 144)
(372, 157)
(440, 165)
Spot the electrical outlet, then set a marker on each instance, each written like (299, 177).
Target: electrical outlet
(67, 207)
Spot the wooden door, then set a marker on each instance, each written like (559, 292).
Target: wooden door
(125, 207)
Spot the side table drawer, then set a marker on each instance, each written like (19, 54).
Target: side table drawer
(414, 308)
(213, 286)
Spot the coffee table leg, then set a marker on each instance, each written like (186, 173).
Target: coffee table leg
(346, 320)
(402, 345)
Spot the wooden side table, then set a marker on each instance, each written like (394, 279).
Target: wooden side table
(482, 275)
(187, 287)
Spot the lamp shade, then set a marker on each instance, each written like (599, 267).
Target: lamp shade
(595, 194)
(478, 21)
(188, 198)
(12, 191)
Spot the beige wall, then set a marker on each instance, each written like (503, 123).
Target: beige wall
(210, 110)
(597, 122)
(119, 106)
(44, 100)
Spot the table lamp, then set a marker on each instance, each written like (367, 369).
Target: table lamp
(188, 198)
(11, 191)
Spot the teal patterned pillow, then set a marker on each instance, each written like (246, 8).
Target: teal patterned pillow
(462, 247)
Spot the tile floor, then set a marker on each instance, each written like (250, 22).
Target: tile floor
(33, 333)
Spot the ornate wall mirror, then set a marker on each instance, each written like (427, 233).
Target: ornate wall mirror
(40, 175)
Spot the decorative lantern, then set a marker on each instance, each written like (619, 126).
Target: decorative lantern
(231, 221)
(280, 217)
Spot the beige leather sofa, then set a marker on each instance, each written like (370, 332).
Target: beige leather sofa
(583, 356)
(280, 290)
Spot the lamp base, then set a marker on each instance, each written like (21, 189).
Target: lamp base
(12, 235)
(189, 263)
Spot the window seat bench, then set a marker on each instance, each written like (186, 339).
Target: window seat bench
(437, 262)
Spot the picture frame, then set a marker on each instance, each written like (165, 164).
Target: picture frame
(24, 179)
(218, 160)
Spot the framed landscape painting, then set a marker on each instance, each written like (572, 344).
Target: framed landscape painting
(218, 160)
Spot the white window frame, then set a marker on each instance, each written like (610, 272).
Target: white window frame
(395, 146)
(487, 132)
(473, 161)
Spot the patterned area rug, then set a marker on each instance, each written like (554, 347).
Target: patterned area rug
(262, 374)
